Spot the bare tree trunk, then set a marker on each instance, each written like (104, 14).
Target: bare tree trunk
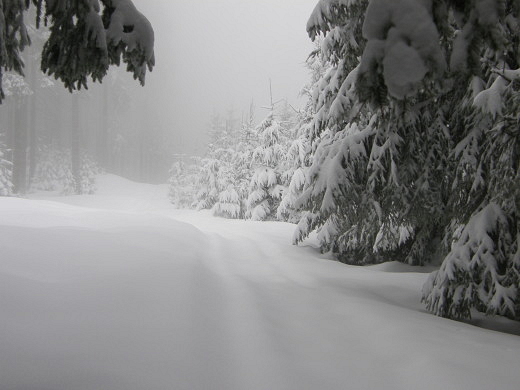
(60, 136)
(74, 144)
(142, 173)
(143, 144)
(33, 142)
(102, 145)
(20, 149)
(11, 123)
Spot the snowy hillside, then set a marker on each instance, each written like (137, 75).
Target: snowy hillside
(118, 291)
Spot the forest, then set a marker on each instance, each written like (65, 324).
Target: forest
(389, 190)
(390, 159)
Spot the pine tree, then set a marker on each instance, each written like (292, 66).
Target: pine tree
(294, 179)
(299, 150)
(209, 185)
(243, 159)
(216, 175)
(54, 172)
(48, 172)
(265, 187)
(87, 173)
(86, 37)
(182, 182)
(228, 204)
(416, 145)
(225, 172)
(337, 200)
(482, 268)
(481, 271)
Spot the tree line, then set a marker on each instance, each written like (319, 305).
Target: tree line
(408, 150)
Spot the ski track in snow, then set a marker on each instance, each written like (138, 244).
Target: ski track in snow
(120, 291)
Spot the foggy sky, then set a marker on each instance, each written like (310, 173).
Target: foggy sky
(212, 55)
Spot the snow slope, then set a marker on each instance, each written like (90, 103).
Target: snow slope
(119, 291)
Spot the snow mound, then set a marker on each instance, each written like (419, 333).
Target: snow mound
(116, 193)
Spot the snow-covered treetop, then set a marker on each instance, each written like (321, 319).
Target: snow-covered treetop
(327, 14)
(100, 36)
(404, 41)
(273, 140)
(269, 131)
(14, 84)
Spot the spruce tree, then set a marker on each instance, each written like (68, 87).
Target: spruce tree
(217, 174)
(265, 187)
(209, 185)
(48, 173)
(228, 204)
(54, 172)
(300, 153)
(86, 37)
(416, 145)
(336, 200)
(182, 182)
(482, 268)
(243, 161)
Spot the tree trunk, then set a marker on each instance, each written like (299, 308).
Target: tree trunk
(74, 144)
(59, 134)
(11, 123)
(20, 149)
(102, 146)
(33, 142)
(141, 159)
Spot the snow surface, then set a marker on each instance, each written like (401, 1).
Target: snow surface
(120, 291)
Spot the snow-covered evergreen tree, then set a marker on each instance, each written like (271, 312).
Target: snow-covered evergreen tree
(296, 180)
(482, 268)
(209, 186)
(225, 172)
(265, 187)
(228, 204)
(54, 172)
(242, 164)
(176, 184)
(183, 181)
(216, 168)
(49, 170)
(15, 85)
(299, 153)
(416, 138)
(87, 173)
(100, 33)
(336, 199)
(481, 271)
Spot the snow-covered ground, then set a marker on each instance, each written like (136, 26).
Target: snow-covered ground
(118, 291)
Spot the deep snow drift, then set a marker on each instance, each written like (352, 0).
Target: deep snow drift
(120, 291)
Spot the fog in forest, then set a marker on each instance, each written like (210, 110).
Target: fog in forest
(305, 194)
(212, 58)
